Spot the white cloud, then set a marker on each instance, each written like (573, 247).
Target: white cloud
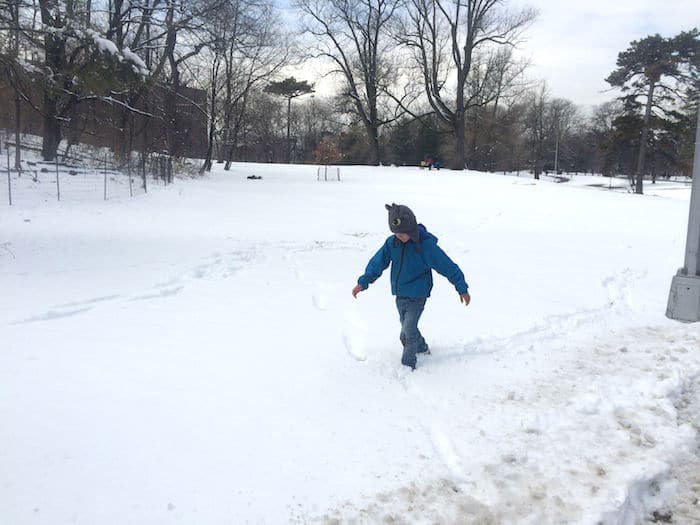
(574, 45)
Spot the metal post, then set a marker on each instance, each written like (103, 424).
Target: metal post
(58, 187)
(128, 172)
(9, 179)
(105, 192)
(145, 179)
(684, 297)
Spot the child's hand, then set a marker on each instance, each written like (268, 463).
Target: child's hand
(464, 298)
(357, 290)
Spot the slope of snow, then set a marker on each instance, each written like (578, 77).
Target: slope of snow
(195, 355)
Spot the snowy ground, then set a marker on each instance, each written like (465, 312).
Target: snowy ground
(194, 355)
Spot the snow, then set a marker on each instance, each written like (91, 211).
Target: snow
(136, 60)
(104, 44)
(109, 47)
(194, 354)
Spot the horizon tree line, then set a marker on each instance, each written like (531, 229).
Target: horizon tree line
(417, 78)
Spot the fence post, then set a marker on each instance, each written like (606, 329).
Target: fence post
(58, 187)
(128, 172)
(318, 173)
(9, 179)
(142, 169)
(338, 168)
(325, 173)
(105, 192)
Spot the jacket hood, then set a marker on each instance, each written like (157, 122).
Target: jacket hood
(423, 233)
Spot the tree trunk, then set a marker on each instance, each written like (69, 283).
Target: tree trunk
(18, 132)
(459, 134)
(289, 121)
(18, 106)
(55, 63)
(52, 129)
(374, 153)
(210, 149)
(643, 141)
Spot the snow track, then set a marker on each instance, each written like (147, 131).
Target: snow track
(195, 355)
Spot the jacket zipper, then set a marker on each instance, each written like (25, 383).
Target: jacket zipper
(396, 286)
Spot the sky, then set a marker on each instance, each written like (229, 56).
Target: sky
(573, 45)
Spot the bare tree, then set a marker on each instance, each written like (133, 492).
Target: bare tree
(564, 115)
(248, 47)
(547, 123)
(537, 127)
(9, 65)
(353, 35)
(443, 36)
(496, 79)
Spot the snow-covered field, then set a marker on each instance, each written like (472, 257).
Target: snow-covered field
(194, 355)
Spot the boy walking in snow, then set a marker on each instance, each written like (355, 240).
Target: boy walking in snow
(413, 253)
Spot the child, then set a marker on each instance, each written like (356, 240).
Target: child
(413, 252)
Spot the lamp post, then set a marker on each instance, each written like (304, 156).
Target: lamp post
(684, 297)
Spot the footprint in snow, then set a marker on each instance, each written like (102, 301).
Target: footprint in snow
(55, 314)
(165, 292)
(354, 348)
(355, 336)
(321, 295)
(291, 260)
(444, 447)
(69, 309)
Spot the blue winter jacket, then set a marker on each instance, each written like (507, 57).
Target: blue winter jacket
(411, 274)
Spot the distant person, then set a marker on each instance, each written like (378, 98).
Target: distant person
(413, 253)
(429, 162)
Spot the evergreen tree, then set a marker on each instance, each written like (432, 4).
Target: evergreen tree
(654, 68)
(289, 88)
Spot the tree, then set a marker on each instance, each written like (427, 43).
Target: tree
(65, 62)
(495, 81)
(655, 69)
(317, 117)
(443, 36)
(352, 34)
(563, 115)
(9, 65)
(327, 151)
(289, 88)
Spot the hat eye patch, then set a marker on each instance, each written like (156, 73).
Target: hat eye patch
(396, 221)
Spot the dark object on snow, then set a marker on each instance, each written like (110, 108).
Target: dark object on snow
(254, 177)
(44, 170)
(72, 172)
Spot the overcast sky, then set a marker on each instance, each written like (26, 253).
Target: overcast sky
(574, 44)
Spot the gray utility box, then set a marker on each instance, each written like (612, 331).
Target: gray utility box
(684, 298)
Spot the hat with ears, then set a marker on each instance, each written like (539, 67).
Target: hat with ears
(402, 220)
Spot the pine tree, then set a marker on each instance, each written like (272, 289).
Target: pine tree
(654, 68)
(289, 88)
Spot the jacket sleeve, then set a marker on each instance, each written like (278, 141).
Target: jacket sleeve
(442, 264)
(377, 264)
